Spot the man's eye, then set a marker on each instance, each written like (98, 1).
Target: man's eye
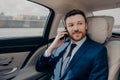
(80, 23)
(70, 25)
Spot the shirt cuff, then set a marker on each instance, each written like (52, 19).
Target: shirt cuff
(46, 54)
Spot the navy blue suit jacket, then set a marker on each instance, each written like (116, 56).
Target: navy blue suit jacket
(88, 63)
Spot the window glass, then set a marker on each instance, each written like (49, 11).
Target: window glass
(111, 12)
(22, 18)
(60, 26)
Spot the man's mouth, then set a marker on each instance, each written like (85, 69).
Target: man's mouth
(77, 32)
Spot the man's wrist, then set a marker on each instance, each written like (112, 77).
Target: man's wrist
(47, 54)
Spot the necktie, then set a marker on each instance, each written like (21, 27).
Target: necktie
(66, 61)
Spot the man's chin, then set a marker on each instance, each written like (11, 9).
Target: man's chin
(76, 39)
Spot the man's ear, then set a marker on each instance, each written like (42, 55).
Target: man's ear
(65, 28)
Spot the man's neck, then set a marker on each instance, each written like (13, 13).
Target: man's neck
(82, 40)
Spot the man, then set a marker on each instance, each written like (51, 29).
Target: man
(88, 60)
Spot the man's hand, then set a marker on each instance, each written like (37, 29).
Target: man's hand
(56, 43)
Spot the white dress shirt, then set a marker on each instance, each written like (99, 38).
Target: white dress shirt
(78, 45)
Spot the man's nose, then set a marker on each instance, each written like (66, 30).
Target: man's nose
(75, 27)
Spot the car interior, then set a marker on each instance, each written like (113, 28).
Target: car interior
(18, 56)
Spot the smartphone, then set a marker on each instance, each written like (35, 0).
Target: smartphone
(65, 35)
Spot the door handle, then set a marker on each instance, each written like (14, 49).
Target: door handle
(8, 71)
(11, 71)
(6, 61)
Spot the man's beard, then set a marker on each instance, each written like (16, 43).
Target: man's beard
(77, 32)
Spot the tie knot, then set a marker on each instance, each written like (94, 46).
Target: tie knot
(73, 45)
(71, 48)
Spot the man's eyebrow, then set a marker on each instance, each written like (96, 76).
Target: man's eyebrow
(70, 23)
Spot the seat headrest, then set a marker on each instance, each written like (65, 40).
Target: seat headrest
(97, 29)
(110, 22)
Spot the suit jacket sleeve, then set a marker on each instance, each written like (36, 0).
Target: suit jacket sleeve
(44, 63)
(100, 66)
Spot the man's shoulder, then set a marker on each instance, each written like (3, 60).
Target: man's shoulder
(95, 44)
(96, 48)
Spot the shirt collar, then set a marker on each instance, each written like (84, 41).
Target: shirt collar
(79, 43)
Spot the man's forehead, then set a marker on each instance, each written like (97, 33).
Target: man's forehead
(75, 18)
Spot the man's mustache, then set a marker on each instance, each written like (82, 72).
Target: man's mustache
(77, 32)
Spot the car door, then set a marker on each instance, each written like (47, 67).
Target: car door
(24, 29)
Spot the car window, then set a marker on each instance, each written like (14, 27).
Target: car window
(22, 18)
(60, 26)
(111, 12)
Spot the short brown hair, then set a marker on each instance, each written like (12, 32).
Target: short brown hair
(74, 12)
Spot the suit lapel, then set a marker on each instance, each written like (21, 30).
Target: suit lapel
(60, 51)
(81, 51)
(58, 58)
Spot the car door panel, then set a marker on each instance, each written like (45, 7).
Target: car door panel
(14, 54)
(11, 63)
